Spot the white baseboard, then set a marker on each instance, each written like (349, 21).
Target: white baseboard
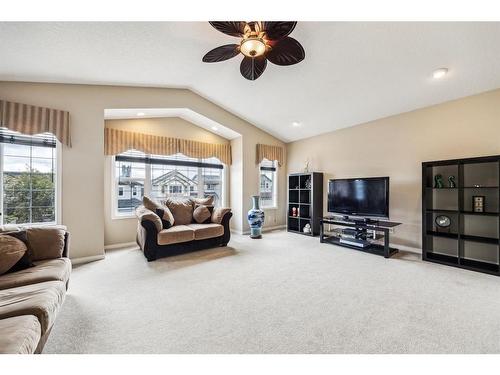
(120, 245)
(91, 258)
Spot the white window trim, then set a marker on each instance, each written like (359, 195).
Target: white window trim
(147, 187)
(275, 188)
(57, 197)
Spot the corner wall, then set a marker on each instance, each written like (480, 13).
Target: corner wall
(396, 146)
(83, 167)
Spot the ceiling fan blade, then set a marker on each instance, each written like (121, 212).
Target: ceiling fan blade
(233, 28)
(286, 51)
(252, 68)
(278, 29)
(221, 53)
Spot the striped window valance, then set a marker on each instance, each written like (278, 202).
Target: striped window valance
(30, 119)
(118, 141)
(270, 153)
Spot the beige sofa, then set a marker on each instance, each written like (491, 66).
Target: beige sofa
(31, 298)
(184, 236)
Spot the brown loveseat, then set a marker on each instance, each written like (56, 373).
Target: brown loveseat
(157, 238)
(31, 298)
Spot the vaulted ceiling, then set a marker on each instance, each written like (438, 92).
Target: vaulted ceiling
(352, 73)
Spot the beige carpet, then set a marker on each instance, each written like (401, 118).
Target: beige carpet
(286, 293)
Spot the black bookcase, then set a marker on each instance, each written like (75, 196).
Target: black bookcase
(307, 199)
(471, 240)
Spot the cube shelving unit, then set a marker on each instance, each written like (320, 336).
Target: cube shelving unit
(307, 200)
(471, 241)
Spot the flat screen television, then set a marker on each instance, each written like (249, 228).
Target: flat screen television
(359, 196)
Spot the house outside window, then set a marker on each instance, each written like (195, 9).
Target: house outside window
(28, 178)
(159, 177)
(268, 189)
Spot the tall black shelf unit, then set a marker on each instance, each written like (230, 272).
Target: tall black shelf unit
(471, 241)
(308, 201)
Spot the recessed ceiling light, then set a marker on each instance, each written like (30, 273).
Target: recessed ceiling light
(440, 73)
(215, 128)
(140, 114)
(296, 124)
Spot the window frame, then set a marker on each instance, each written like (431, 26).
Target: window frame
(58, 189)
(274, 206)
(148, 188)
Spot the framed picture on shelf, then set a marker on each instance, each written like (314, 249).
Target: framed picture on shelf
(478, 203)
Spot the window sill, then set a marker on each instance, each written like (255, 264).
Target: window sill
(124, 217)
(32, 225)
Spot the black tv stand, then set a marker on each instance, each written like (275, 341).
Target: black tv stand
(364, 235)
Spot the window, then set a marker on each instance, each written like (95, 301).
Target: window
(268, 184)
(28, 178)
(160, 176)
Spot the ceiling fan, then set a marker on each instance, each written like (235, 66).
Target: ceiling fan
(260, 41)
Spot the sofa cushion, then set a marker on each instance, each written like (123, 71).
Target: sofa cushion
(45, 242)
(44, 270)
(175, 234)
(202, 214)
(11, 251)
(20, 335)
(42, 300)
(181, 208)
(208, 201)
(167, 219)
(204, 231)
(25, 261)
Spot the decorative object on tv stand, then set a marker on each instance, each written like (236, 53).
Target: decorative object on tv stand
(294, 211)
(443, 221)
(307, 228)
(255, 218)
(452, 183)
(478, 203)
(438, 181)
(306, 166)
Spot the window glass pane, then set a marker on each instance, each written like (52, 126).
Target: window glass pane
(130, 183)
(16, 150)
(267, 184)
(166, 180)
(16, 164)
(43, 152)
(173, 181)
(39, 165)
(43, 215)
(29, 183)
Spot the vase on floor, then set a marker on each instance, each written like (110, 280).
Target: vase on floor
(255, 218)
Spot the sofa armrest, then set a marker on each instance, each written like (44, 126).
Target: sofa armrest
(143, 214)
(219, 213)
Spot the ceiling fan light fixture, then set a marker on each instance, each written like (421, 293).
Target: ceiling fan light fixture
(253, 47)
(261, 41)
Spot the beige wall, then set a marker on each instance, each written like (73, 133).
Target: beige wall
(83, 167)
(123, 230)
(396, 147)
